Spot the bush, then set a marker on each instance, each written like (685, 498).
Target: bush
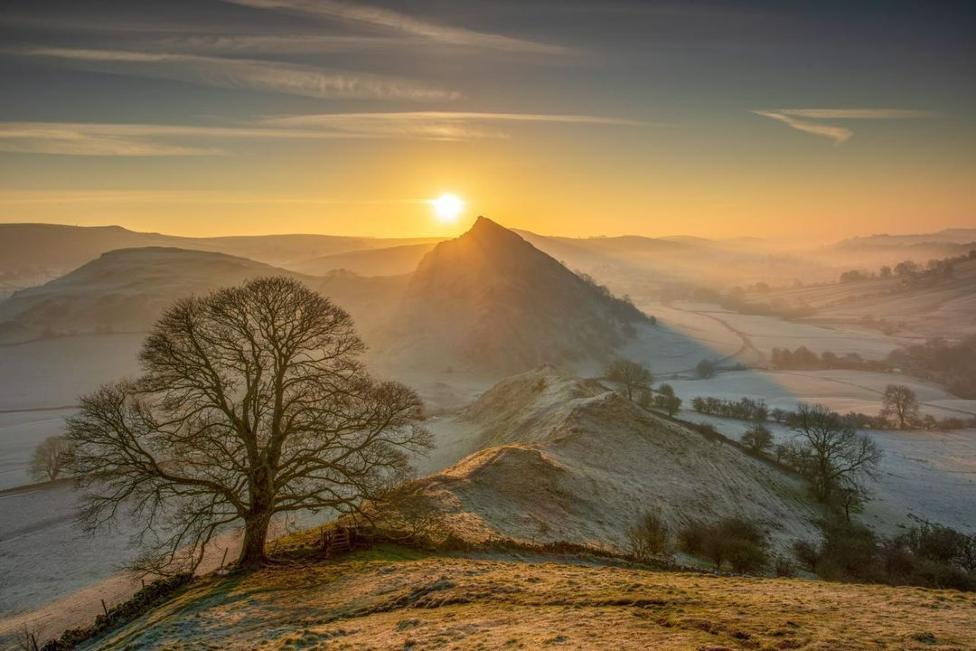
(807, 553)
(736, 541)
(927, 555)
(666, 401)
(649, 537)
(784, 567)
(705, 368)
(691, 538)
(757, 438)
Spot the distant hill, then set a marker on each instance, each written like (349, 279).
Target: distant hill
(127, 290)
(922, 307)
(387, 261)
(947, 236)
(554, 457)
(31, 254)
(640, 266)
(489, 300)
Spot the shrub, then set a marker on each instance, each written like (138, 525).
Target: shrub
(666, 400)
(807, 553)
(927, 555)
(649, 537)
(691, 538)
(784, 567)
(757, 438)
(705, 368)
(737, 541)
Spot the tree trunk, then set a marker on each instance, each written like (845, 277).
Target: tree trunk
(255, 535)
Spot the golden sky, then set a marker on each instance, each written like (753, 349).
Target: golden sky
(809, 122)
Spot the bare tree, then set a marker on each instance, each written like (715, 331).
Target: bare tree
(50, 458)
(831, 453)
(631, 375)
(901, 403)
(253, 402)
(649, 537)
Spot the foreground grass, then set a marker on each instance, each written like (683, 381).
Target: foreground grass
(391, 597)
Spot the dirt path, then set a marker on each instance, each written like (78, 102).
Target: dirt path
(746, 347)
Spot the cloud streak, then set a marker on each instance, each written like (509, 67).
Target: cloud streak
(802, 119)
(141, 140)
(279, 43)
(108, 139)
(405, 24)
(438, 125)
(250, 74)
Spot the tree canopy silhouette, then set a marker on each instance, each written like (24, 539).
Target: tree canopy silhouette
(253, 402)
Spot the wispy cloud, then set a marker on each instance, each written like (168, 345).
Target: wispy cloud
(801, 119)
(859, 114)
(440, 125)
(271, 76)
(87, 139)
(837, 134)
(277, 43)
(114, 139)
(405, 24)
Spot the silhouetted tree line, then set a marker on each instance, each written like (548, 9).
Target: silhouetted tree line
(910, 272)
(741, 409)
(735, 300)
(951, 365)
(900, 409)
(802, 358)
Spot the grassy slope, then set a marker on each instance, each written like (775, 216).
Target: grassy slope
(394, 598)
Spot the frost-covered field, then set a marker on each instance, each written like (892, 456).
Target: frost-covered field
(20, 432)
(840, 390)
(53, 372)
(930, 475)
(40, 382)
(44, 554)
(767, 332)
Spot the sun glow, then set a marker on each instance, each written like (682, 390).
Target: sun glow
(447, 207)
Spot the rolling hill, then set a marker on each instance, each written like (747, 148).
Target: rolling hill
(127, 290)
(937, 307)
(550, 457)
(31, 254)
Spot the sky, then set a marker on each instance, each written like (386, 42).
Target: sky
(803, 121)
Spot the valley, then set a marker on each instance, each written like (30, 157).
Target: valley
(532, 443)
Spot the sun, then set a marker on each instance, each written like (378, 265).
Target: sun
(447, 207)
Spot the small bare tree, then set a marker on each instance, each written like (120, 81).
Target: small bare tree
(253, 403)
(50, 458)
(650, 537)
(831, 453)
(631, 375)
(901, 403)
